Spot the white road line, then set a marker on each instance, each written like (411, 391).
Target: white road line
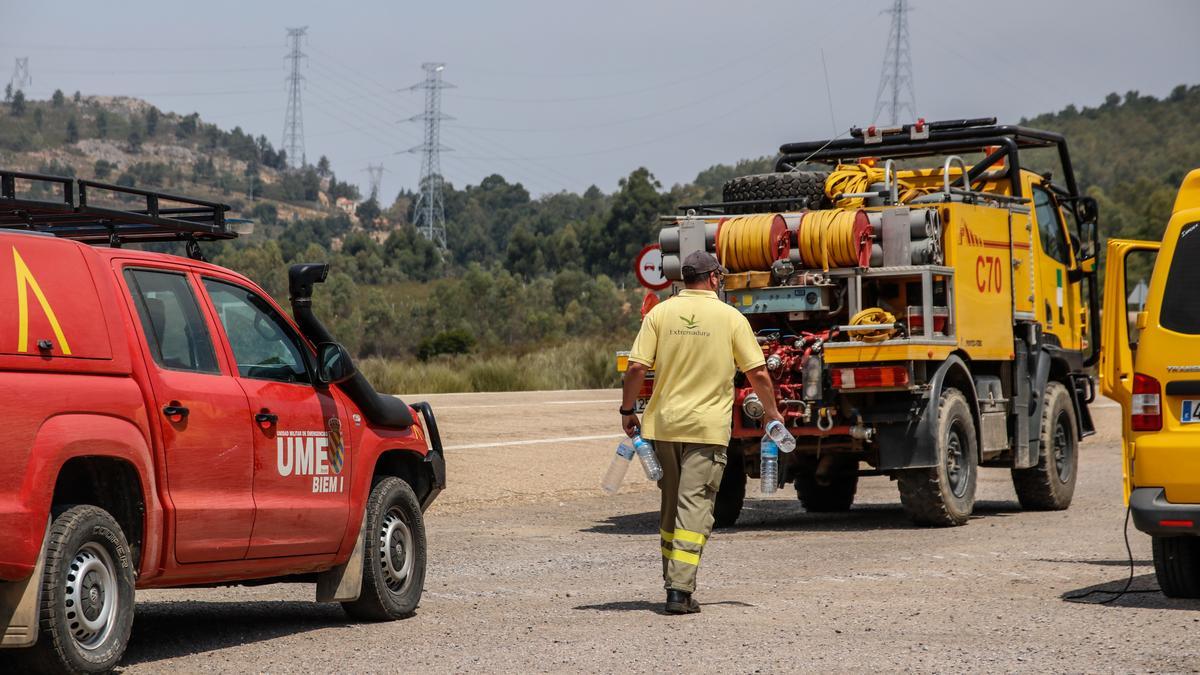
(535, 441)
(523, 405)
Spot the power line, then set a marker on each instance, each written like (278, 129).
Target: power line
(293, 119)
(895, 77)
(430, 209)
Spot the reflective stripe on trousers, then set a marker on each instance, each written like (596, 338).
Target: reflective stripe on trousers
(691, 476)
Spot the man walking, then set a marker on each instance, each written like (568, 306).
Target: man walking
(693, 341)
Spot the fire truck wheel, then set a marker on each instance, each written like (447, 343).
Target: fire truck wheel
(393, 554)
(87, 594)
(733, 489)
(944, 495)
(1177, 566)
(1050, 485)
(794, 190)
(835, 493)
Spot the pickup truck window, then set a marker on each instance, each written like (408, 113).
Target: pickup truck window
(171, 320)
(263, 344)
(1050, 229)
(1180, 312)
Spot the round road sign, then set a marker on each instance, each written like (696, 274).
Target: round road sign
(648, 268)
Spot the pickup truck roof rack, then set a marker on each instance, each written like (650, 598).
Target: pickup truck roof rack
(68, 214)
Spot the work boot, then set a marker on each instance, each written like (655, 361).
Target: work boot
(681, 602)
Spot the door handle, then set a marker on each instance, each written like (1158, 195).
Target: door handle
(175, 412)
(266, 420)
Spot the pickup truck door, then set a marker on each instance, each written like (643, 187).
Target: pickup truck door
(208, 460)
(1126, 275)
(1058, 298)
(301, 462)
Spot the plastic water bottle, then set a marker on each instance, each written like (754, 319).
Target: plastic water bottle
(645, 453)
(620, 465)
(782, 437)
(769, 467)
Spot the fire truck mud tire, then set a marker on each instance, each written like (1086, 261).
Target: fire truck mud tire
(87, 595)
(393, 554)
(732, 493)
(944, 495)
(1050, 485)
(833, 495)
(795, 190)
(1177, 566)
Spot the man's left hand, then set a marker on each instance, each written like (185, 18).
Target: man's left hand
(631, 424)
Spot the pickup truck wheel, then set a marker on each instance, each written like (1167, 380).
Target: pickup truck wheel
(836, 494)
(87, 594)
(1050, 485)
(732, 492)
(393, 554)
(1177, 566)
(944, 495)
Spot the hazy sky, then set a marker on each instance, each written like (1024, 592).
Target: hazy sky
(562, 95)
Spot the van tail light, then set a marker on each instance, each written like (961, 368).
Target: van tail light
(1146, 407)
(865, 378)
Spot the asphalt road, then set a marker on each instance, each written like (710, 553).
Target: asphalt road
(532, 569)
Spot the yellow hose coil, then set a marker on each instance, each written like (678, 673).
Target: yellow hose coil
(857, 178)
(829, 237)
(749, 243)
(869, 316)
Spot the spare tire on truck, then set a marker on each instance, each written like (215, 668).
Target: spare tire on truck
(788, 191)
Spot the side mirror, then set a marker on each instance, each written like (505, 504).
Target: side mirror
(334, 364)
(1087, 232)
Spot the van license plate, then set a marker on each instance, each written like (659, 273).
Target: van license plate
(1191, 412)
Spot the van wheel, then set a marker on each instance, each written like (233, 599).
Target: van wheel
(944, 495)
(87, 594)
(732, 493)
(1050, 485)
(393, 554)
(836, 495)
(1177, 566)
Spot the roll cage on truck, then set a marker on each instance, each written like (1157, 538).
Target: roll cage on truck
(919, 318)
(167, 424)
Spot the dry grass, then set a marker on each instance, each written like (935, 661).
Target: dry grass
(574, 365)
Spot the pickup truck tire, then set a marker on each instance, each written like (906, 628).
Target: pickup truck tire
(393, 554)
(794, 190)
(837, 495)
(944, 495)
(732, 493)
(87, 594)
(1177, 566)
(1050, 485)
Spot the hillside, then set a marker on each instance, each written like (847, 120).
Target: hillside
(522, 273)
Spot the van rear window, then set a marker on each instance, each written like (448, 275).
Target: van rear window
(1180, 303)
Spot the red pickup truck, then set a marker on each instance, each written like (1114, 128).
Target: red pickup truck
(167, 424)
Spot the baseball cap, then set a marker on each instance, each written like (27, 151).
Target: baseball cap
(701, 262)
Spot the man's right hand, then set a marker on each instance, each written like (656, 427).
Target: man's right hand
(631, 424)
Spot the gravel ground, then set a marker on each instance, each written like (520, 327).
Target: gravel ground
(531, 569)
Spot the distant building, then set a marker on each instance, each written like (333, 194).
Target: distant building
(347, 206)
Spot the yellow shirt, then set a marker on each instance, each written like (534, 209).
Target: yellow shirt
(693, 341)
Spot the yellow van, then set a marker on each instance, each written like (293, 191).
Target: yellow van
(1150, 364)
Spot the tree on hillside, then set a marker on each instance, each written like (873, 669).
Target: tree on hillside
(151, 122)
(187, 125)
(135, 140)
(72, 130)
(323, 168)
(367, 212)
(631, 224)
(38, 118)
(18, 104)
(103, 168)
(102, 123)
(77, 96)
(8, 92)
(57, 99)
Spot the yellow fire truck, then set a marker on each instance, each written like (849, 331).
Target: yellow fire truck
(917, 292)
